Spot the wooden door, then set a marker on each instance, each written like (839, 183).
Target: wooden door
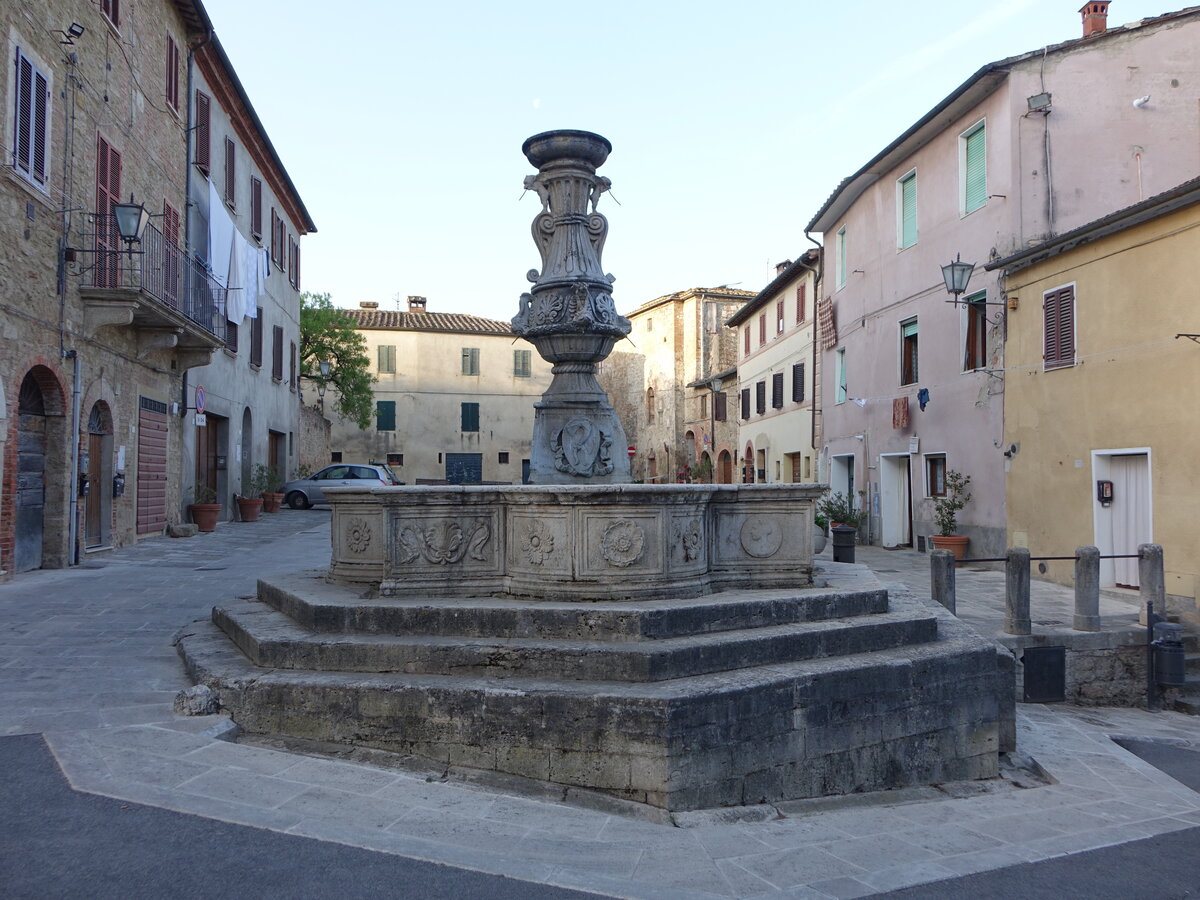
(151, 466)
(31, 477)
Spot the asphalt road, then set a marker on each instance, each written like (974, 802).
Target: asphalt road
(57, 842)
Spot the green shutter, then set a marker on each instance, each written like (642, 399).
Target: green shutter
(387, 358)
(908, 211)
(841, 256)
(975, 188)
(385, 415)
(470, 417)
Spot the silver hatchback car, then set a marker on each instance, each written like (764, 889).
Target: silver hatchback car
(304, 492)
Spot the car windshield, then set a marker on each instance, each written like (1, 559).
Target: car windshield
(390, 474)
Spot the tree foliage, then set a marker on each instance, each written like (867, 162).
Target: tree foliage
(328, 333)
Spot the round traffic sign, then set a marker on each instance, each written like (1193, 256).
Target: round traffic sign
(199, 398)
(632, 452)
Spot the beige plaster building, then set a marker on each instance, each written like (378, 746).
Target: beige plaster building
(777, 361)
(1100, 434)
(454, 397)
(99, 334)
(672, 384)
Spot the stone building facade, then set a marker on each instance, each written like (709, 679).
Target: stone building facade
(662, 385)
(454, 397)
(777, 364)
(98, 332)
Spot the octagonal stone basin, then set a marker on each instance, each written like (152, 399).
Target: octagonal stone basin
(604, 542)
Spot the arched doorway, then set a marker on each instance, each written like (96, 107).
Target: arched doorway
(40, 515)
(748, 465)
(725, 467)
(98, 466)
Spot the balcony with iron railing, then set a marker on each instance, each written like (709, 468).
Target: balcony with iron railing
(155, 287)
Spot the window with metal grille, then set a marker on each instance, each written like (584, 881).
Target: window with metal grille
(760, 397)
(385, 415)
(906, 211)
(230, 173)
(277, 353)
(395, 459)
(256, 207)
(470, 360)
(256, 339)
(777, 390)
(975, 351)
(172, 85)
(908, 352)
(202, 133)
(522, 362)
(335, 456)
(387, 359)
(1058, 312)
(798, 383)
(745, 398)
(470, 417)
(502, 457)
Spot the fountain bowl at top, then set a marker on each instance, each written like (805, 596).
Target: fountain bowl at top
(566, 144)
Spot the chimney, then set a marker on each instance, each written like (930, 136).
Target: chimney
(779, 267)
(1095, 17)
(368, 304)
(416, 304)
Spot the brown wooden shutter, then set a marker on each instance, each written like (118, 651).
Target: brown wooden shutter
(760, 397)
(255, 207)
(777, 390)
(256, 339)
(171, 261)
(292, 367)
(172, 73)
(1058, 311)
(747, 341)
(719, 406)
(798, 383)
(203, 141)
(108, 192)
(801, 303)
(230, 173)
(277, 353)
(745, 403)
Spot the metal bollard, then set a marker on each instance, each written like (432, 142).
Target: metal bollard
(941, 579)
(1087, 589)
(1016, 592)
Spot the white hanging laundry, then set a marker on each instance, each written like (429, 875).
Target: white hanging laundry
(235, 302)
(220, 236)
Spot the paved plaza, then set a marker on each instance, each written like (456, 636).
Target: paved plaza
(86, 659)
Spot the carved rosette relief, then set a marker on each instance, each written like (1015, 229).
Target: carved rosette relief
(580, 448)
(536, 541)
(689, 536)
(622, 543)
(444, 543)
(358, 535)
(761, 537)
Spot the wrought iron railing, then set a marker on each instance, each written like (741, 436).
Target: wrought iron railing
(160, 268)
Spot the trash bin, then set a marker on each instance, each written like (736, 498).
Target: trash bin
(843, 543)
(1169, 660)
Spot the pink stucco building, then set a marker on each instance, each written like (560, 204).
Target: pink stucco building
(1027, 148)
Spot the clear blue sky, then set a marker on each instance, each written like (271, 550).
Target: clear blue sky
(401, 125)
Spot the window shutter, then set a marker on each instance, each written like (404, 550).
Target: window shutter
(231, 337)
(255, 207)
(277, 353)
(975, 185)
(256, 339)
(777, 390)
(108, 192)
(387, 358)
(908, 211)
(719, 406)
(172, 85)
(230, 172)
(747, 341)
(801, 303)
(1059, 332)
(470, 417)
(203, 143)
(292, 366)
(385, 415)
(760, 397)
(798, 383)
(745, 403)
(762, 328)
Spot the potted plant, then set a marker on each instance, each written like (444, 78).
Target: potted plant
(703, 470)
(271, 481)
(836, 510)
(251, 504)
(945, 514)
(204, 509)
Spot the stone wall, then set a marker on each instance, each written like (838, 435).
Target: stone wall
(313, 452)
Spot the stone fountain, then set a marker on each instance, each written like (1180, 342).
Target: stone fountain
(664, 644)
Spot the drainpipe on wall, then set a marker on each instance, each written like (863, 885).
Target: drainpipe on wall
(73, 479)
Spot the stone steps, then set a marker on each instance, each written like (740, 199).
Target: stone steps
(272, 640)
(330, 608)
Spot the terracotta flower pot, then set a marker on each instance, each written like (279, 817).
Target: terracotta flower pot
(205, 515)
(272, 502)
(250, 507)
(955, 543)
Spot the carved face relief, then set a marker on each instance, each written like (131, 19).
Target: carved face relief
(761, 536)
(622, 543)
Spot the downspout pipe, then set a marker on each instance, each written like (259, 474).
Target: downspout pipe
(73, 481)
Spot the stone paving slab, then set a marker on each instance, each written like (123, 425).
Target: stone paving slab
(110, 726)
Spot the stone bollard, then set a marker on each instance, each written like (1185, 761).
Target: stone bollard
(941, 579)
(1016, 592)
(1152, 586)
(1087, 589)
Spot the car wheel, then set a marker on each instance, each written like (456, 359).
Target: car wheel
(297, 500)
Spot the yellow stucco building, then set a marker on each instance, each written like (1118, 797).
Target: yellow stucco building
(1101, 430)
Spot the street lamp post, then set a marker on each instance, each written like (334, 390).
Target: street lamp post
(714, 385)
